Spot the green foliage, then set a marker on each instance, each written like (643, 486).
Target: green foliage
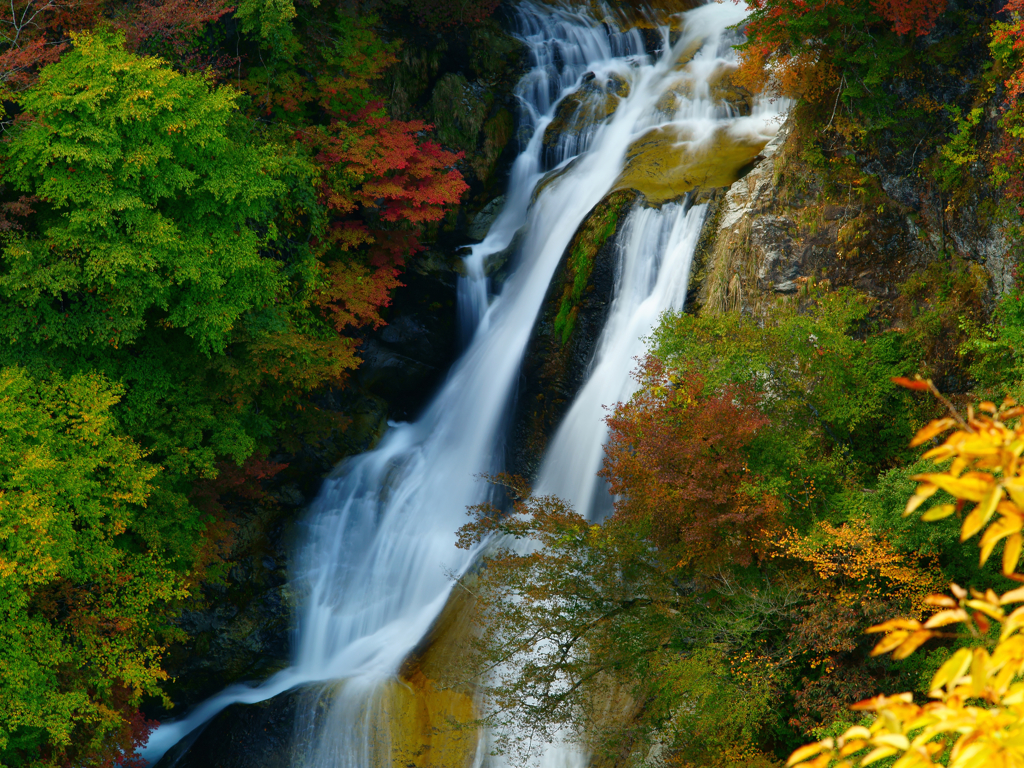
(83, 586)
(835, 53)
(997, 348)
(938, 306)
(589, 639)
(154, 214)
(179, 279)
(961, 150)
(826, 393)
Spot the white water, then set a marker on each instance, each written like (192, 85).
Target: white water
(373, 573)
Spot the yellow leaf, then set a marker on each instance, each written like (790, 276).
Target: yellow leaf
(853, 746)
(924, 492)
(911, 644)
(1011, 553)
(972, 523)
(939, 512)
(945, 618)
(979, 671)
(897, 740)
(987, 608)
(1016, 490)
(953, 668)
(806, 751)
(970, 488)
(857, 732)
(878, 754)
(995, 533)
(891, 624)
(942, 601)
(1013, 596)
(1013, 622)
(889, 642)
(930, 430)
(940, 454)
(979, 446)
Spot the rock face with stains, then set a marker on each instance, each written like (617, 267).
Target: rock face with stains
(784, 223)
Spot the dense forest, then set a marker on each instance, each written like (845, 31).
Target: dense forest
(206, 210)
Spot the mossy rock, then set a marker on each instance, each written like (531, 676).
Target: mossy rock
(459, 109)
(408, 82)
(495, 55)
(592, 103)
(497, 133)
(565, 336)
(664, 164)
(600, 224)
(721, 88)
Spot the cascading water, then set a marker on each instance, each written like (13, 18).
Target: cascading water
(373, 574)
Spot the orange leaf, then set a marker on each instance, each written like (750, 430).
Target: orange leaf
(918, 385)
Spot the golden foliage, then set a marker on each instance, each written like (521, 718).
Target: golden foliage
(859, 564)
(976, 713)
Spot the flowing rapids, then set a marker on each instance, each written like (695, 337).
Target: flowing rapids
(375, 569)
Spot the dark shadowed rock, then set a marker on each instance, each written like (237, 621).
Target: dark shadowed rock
(565, 335)
(242, 736)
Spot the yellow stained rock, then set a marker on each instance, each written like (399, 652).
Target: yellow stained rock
(662, 164)
(424, 725)
(426, 708)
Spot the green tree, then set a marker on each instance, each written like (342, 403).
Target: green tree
(153, 214)
(83, 588)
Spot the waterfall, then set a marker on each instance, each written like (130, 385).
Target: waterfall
(374, 571)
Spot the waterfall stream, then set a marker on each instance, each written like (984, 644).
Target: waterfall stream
(374, 571)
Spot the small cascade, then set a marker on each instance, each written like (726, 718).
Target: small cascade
(375, 568)
(656, 248)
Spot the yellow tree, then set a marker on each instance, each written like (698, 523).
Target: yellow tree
(975, 716)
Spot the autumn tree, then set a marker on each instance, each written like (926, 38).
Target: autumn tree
(84, 583)
(185, 267)
(148, 206)
(828, 52)
(676, 462)
(974, 715)
(581, 631)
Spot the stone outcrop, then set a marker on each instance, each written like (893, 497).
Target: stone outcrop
(566, 332)
(785, 223)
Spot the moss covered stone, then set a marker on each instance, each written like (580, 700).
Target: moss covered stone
(591, 236)
(664, 163)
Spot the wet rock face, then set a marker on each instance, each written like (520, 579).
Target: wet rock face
(421, 708)
(244, 736)
(578, 116)
(405, 360)
(556, 361)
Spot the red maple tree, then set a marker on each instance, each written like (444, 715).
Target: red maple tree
(676, 460)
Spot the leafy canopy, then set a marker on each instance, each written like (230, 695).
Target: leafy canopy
(79, 582)
(148, 205)
(976, 713)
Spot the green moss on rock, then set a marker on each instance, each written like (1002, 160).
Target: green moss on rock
(589, 239)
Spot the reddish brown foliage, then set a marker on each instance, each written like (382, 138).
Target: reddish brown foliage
(376, 168)
(34, 33)
(676, 460)
(171, 21)
(245, 481)
(12, 211)
(916, 17)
